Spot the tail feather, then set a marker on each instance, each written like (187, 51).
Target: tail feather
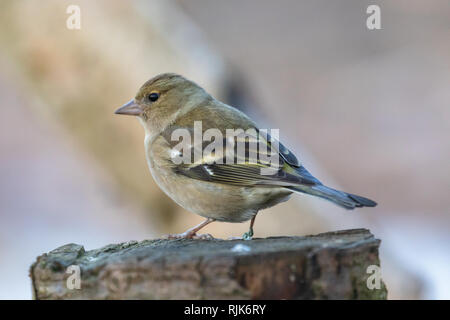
(342, 199)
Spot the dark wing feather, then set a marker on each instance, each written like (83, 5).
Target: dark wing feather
(284, 152)
(241, 175)
(246, 169)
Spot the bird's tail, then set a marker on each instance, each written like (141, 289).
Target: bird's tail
(342, 199)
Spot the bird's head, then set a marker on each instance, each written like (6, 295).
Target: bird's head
(162, 99)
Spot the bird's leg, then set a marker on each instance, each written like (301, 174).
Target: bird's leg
(192, 233)
(249, 235)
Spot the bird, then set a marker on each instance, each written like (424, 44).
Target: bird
(220, 185)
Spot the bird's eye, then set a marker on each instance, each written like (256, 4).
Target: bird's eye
(153, 96)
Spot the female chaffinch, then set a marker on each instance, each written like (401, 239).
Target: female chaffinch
(169, 107)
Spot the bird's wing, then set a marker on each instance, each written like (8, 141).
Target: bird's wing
(261, 161)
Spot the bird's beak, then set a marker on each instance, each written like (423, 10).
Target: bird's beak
(130, 108)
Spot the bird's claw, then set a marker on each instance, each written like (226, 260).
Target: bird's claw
(248, 236)
(203, 236)
(184, 235)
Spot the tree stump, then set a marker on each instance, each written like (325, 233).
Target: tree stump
(333, 265)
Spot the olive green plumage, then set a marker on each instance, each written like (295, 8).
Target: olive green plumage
(212, 186)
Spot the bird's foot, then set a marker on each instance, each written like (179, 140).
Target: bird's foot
(203, 236)
(189, 235)
(248, 235)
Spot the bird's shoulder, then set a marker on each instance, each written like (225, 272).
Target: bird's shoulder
(215, 114)
(214, 168)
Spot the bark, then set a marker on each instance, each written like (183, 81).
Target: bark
(331, 265)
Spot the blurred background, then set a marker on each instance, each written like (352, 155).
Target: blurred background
(368, 111)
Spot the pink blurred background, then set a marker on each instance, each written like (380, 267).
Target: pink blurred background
(368, 111)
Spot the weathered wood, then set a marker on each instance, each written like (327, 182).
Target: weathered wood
(326, 266)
